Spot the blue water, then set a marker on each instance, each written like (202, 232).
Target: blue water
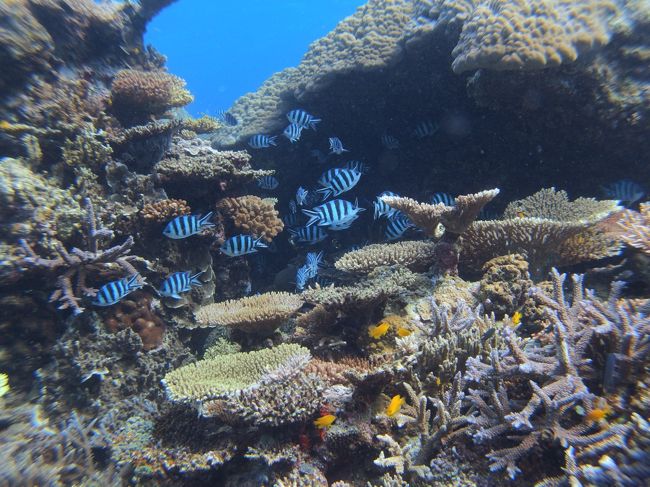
(224, 49)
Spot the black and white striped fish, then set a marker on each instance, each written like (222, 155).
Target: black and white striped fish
(382, 208)
(336, 146)
(238, 245)
(293, 208)
(397, 226)
(115, 291)
(425, 129)
(309, 235)
(290, 220)
(362, 167)
(336, 212)
(302, 276)
(336, 181)
(389, 142)
(179, 282)
(337, 227)
(312, 262)
(267, 182)
(301, 196)
(303, 119)
(226, 118)
(626, 191)
(444, 198)
(187, 225)
(261, 141)
(293, 132)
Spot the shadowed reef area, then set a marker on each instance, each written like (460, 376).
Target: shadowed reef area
(483, 324)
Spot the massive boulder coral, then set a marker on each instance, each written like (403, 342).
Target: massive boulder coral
(525, 34)
(414, 255)
(252, 215)
(260, 314)
(505, 284)
(263, 387)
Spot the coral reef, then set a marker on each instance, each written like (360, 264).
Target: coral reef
(252, 215)
(413, 255)
(260, 314)
(137, 314)
(163, 211)
(634, 228)
(505, 284)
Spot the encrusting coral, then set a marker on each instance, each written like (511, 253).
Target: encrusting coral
(163, 211)
(263, 387)
(547, 229)
(252, 215)
(261, 314)
(505, 284)
(414, 255)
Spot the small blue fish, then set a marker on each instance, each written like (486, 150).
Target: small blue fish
(187, 225)
(293, 132)
(226, 118)
(336, 213)
(389, 142)
(425, 129)
(626, 191)
(114, 291)
(337, 181)
(382, 208)
(312, 262)
(337, 227)
(362, 167)
(309, 235)
(268, 182)
(302, 276)
(397, 226)
(301, 196)
(179, 282)
(336, 146)
(239, 245)
(444, 198)
(261, 141)
(303, 119)
(293, 208)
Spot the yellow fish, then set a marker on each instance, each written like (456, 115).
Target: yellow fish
(516, 318)
(395, 405)
(325, 421)
(378, 331)
(403, 332)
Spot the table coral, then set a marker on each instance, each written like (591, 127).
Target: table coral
(415, 255)
(634, 228)
(252, 215)
(261, 314)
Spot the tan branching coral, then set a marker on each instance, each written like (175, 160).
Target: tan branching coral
(252, 215)
(260, 314)
(455, 218)
(635, 228)
(415, 255)
(525, 34)
(164, 210)
(263, 387)
(143, 93)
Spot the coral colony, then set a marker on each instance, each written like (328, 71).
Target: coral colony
(437, 276)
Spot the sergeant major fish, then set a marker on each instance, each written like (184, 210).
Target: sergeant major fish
(336, 146)
(444, 198)
(382, 208)
(425, 129)
(389, 142)
(226, 118)
(309, 235)
(626, 191)
(187, 225)
(312, 262)
(335, 212)
(267, 182)
(115, 291)
(293, 132)
(302, 276)
(301, 195)
(397, 226)
(239, 245)
(360, 166)
(336, 181)
(261, 141)
(302, 119)
(179, 282)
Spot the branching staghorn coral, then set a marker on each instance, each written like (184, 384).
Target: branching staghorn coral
(263, 387)
(455, 218)
(634, 228)
(547, 228)
(261, 314)
(554, 377)
(77, 264)
(252, 215)
(415, 255)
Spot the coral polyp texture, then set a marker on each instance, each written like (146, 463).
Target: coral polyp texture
(252, 215)
(634, 228)
(523, 34)
(260, 314)
(414, 255)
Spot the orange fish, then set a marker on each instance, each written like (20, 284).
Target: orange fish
(403, 332)
(395, 405)
(325, 421)
(378, 331)
(516, 318)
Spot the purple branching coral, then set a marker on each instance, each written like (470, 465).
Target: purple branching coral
(77, 263)
(553, 379)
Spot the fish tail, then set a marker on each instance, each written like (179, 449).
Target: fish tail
(272, 140)
(203, 221)
(134, 282)
(312, 124)
(258, 244)
(194, 280)
(313, 217)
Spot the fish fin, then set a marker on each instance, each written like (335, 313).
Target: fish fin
(312, 124)
(272, 140)
(258, 244)
(313, 217)
(194, 280)
(134, 282)
(203, 221)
